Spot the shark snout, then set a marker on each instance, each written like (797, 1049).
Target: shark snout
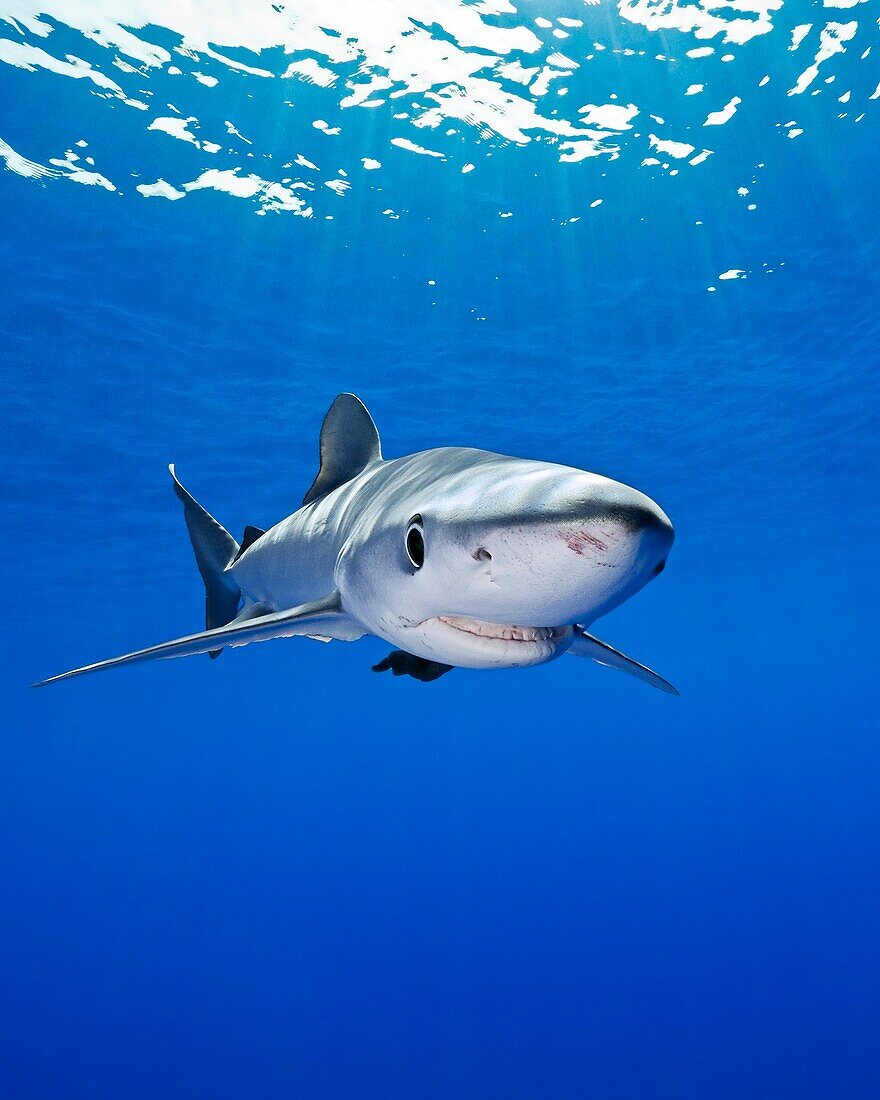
(611, 522)
(650, 525)
(589, 547)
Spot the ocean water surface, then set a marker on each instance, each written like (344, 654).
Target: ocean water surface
(639, 238)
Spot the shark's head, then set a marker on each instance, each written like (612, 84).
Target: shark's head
(478, 560)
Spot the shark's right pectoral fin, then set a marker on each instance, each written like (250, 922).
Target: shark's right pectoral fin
(585, 645)
(317, 618)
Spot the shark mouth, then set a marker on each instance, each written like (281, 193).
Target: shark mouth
(500, 633)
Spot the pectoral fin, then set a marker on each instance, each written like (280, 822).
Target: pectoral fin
(306, 619)
(585, 645)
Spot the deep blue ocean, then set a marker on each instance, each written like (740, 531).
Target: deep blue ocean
(279, 874)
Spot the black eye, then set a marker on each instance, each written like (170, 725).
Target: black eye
(415, 542)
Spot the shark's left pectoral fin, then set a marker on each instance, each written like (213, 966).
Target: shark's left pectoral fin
(585, 645)
(315, 618)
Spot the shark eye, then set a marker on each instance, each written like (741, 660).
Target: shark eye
(415, 542)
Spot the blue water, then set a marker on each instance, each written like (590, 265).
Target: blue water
(280, 875)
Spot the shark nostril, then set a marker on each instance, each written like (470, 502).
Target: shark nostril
(658, 569)
(482, 554)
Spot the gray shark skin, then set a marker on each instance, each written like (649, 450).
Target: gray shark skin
(457, 557)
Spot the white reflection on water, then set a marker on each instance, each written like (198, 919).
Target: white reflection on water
(449, 80)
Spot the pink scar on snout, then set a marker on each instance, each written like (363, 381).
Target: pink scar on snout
(579, 541)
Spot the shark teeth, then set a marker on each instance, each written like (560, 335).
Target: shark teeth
(499, 632)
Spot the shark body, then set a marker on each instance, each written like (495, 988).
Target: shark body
(458, 557)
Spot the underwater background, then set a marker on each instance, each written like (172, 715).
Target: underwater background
(639, 238)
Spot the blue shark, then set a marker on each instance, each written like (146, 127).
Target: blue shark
(456, 557)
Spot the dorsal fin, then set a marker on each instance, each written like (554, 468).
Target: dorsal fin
(250, 536)
(349, 443)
